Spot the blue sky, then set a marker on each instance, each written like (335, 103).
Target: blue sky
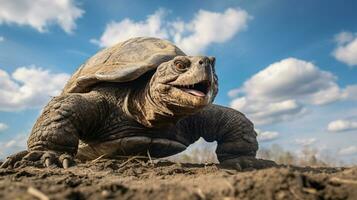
(291, 66)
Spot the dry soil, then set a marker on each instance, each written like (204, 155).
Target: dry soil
(136, 179)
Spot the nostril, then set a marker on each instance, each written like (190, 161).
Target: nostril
(200, 62)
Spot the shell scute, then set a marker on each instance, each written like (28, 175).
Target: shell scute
(123, 62)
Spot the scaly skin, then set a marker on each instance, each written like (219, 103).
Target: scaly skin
(149, 114)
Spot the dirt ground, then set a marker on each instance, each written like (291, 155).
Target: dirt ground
(135, 179)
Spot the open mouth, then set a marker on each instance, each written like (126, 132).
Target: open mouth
(198, 89)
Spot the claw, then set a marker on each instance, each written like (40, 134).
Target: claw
(48, 162)
(48, 158)
(6, 163)
(65, 163)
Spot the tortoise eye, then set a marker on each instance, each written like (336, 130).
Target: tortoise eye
(180, 65)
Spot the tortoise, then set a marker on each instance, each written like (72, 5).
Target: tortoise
(140, 96)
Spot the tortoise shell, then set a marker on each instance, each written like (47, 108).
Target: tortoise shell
(123, 62)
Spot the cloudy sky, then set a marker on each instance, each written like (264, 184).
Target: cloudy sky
(290, 66)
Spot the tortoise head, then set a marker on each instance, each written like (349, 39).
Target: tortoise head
(185, 84)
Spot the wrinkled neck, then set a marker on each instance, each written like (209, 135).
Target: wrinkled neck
(137, 102)
(149, 110)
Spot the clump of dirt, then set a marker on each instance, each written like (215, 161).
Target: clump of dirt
(136, 179)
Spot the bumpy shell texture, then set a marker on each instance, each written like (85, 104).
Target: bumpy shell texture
(126, 61)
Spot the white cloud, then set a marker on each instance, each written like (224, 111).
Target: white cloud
(265, 112)
(193, 37)
(209, 27)
(29, 87)
(234, 92)
(2, 38)
(350, 92)
(3, 126)
(342, 125)
(127, 28)
(305, 141)
(346, 50)
(18, 143)
(40, 14)
(280, 91)
(291, 78)
(351, 150)
(10, 143)
(344, 37)
(264, 136)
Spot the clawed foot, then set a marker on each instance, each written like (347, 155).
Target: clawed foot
(247, 162)
(47, 158)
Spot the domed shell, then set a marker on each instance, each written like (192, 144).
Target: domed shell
(126, 61)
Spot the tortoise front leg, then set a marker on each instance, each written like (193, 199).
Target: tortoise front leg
(234, 133)
(55, 136)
